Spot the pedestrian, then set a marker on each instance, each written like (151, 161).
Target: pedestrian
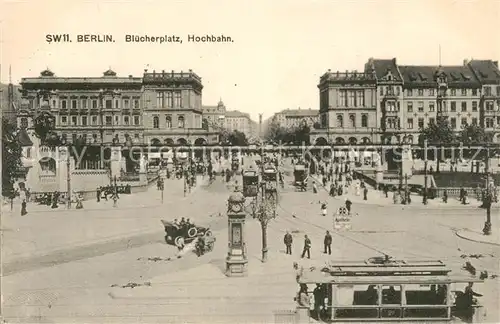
(288, 240)
(469, 295)
(324, 181)
(365, 193)
(98, 194)
(323, 209)
(23, 208)
(386, 191)
(332, 190)
(348, 205)
(307, 247)
(79, 199)
(115, 200)
(445, 196)
(315, 187)
(328, 243)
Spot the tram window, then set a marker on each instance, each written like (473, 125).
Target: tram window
(425, 295)
(391, 295)
(348, 297)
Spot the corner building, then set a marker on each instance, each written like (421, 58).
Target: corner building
(391, 103)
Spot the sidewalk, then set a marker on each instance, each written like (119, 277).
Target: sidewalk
(479, 237)
(377, 198)
(174, 188)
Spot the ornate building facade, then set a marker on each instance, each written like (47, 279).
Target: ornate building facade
(294, 117)
(390, 103)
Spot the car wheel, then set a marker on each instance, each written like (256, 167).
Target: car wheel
(208, 233)
(177, 241)
(192, 232)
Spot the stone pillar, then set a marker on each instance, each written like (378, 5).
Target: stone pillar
(236, 261)
(116, 157)
(407, 161)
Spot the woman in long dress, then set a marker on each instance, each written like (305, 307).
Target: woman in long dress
(358, 188)
(23, 208)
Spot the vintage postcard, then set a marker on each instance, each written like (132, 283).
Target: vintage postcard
(250, 161)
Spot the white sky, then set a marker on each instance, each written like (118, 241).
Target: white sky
(281, 46)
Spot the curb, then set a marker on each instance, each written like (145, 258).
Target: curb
(411, 206)
(465, 237)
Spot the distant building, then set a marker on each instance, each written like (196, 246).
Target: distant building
(294, 117)
(213, 116)
(240, 121)
(389, 103)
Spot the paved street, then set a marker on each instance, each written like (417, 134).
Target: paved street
(79, 289)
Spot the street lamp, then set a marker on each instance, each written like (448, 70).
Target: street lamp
(488, 195)
(424, 196)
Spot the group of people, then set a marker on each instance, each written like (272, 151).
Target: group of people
(105, 191)
(327, 243)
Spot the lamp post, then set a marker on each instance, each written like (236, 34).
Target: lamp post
(424, 196)
(488, 195)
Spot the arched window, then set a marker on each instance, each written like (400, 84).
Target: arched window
(156, 122)
(180, 122)
(352, 120)
(168, 122)
(340, 121)
(364, 121)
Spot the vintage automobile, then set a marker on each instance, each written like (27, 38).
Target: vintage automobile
(174, 233)
(300, 176)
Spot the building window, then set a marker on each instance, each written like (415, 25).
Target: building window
(474, 106)
(168, 122)
(28, 153)
(340, 121)
(108, 121)
(420, 92)
(420, 106)
(74, 137)
(409, 92)
(431, 92)
(126, 120)
(410, 106)
(487, 91)
(117, 104)
(160, 103)
(360, 98)
(432, 107)
(177, 99)
(381, 91)
(474, 121)
(137, 120)
(432, 121)
(397, 91)
(94, 103)
(453, 106)
(74, 104)
(351, 99)
(409, 123)
(464, 92)
(463, 121)
(364, 120)
(498, 90)
(136, 104)
(342, 98)
(420, 123)
(54, 103)
(489, 122)
(84, 120)
(181, 122)
(168, 98)
(84, 103)
(109, 104)
(156, 122)
(64, 104)
(489, 105)
(117, 120)
(474, 92)
(74, 121)
(453, 122)
(352, 120)
(126, 103)
(24, 122)
(453, 92)
(94, 120)
(464, 105)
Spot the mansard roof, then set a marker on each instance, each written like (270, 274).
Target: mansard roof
(486, 71)
(425, 75)
(382, 67)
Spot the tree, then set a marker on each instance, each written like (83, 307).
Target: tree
(437, 135)
(265, 212)
(44, 125)
(235, 138)
(11, 157)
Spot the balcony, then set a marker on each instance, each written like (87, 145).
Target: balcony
(391, 113)
(491, 96)
(390, 96)
(492, 113)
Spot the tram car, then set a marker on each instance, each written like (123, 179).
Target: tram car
(174, 233)
(385, 291)
(250, 183)
(270, 178)
(301, 176)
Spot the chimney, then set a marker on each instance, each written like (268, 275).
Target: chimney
(495, 63)
(163, 73)
(130, 76)
(466, 61)
(145, 70)
(394, 61)
(154, 73)
(329, 70)
(173, 73)
(190, 71)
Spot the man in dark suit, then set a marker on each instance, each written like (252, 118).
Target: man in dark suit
(307, 247)
(328, 243)
(288, 240)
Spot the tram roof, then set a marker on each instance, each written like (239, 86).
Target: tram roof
(320, 278)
